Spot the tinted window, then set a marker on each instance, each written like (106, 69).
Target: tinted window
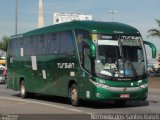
(42, 47)
(29, 46)
(10, 47)
(80, 35)
(67, 42)
(15, 47)
(85, 34)
(53, 46)
(20, 47)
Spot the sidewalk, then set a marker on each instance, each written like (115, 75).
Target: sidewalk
(154, 82)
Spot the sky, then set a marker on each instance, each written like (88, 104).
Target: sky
(140, 14)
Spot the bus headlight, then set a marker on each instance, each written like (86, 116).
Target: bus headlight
(99, 84)
(144, 85)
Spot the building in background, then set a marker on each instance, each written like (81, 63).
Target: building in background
(67, 17)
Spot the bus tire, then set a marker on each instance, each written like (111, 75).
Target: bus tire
(74, 98)
(23, 92)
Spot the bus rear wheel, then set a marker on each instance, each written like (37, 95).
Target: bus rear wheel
(23, 92)
(74, 95)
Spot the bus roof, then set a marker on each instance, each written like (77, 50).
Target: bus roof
(91, 26)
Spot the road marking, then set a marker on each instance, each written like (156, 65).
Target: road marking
(46, 104)
(2, 105)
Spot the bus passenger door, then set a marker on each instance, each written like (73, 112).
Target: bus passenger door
(87, 64)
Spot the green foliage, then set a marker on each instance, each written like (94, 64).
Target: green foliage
(155, 32)
(4, 43)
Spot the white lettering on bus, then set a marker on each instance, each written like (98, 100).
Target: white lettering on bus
(131, 37)
(65, 65)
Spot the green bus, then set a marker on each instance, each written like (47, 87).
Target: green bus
(81, 60)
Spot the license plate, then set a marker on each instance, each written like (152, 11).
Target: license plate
(124, 95)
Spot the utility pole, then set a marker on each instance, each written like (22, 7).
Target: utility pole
(16, 17)
(40, 13)
(112, 13)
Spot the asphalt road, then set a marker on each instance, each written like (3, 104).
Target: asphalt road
(11, 103)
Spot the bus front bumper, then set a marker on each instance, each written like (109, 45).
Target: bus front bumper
(125, 94)
(104, 92)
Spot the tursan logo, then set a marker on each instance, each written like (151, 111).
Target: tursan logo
(65, 65)
(130, 37)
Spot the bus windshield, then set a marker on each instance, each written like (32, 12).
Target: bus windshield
(121, 57)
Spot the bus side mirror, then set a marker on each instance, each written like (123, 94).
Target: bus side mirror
(153, 47)
(91, 46)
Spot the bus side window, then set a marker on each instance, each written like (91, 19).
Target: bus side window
(86, 59)
(20, 46)
(15, 48)
(29, 46)
(53, 43)
(42, 47)
(10, 47)
(67, 42)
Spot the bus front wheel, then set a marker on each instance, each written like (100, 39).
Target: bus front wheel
(74, 95)
(23, 92)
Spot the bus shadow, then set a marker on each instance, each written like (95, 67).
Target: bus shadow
(88, 104)
(111, 104)
(47, 98)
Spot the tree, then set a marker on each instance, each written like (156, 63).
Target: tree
(4, 43)
(154, 32)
